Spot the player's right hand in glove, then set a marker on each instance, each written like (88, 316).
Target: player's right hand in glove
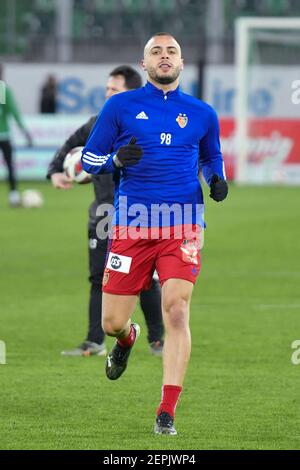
(128, 155)
(218, 188)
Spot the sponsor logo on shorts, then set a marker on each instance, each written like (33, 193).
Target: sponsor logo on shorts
(119, 263)
(115, 262)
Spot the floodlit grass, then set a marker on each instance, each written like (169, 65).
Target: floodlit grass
(241, 389)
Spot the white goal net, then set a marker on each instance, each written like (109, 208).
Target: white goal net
(267, 112)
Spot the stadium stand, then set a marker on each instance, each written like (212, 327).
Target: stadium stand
(28, 27)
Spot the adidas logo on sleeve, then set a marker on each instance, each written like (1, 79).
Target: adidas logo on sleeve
(141, 115)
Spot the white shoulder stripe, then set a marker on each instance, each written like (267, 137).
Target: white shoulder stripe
(104, 157)
(94, 154)
(87, 159)
(93, 163)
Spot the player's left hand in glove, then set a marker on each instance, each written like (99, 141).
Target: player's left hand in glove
(218, 188)
(128, 155)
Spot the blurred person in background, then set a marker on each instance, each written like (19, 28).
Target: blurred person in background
(9, 109)
(121, 79)
(48, 102)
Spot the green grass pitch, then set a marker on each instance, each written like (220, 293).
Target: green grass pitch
(241, 389)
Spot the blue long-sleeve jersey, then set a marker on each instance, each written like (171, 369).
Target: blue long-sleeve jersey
(178, 134)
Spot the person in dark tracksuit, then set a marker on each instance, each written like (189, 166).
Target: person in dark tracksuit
(121, 79)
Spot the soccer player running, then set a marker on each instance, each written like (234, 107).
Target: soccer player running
(158, 136)
(122, 78)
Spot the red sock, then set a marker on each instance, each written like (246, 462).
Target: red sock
(129, 340)
(169, 399)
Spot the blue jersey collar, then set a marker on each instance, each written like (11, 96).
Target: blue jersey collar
(149, 88)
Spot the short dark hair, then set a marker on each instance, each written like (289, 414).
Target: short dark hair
(162, 33)
(131, 76)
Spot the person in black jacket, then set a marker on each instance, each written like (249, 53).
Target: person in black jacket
(121, 79)
(48, 101)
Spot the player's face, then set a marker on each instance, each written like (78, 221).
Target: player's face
(115, 85)
(162, 59)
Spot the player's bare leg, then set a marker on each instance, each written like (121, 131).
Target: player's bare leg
(116, 321)
(176, 296)
(117, 310)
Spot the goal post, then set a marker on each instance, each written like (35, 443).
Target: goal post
(267, 60)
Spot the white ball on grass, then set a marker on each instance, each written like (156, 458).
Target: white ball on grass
(31, 198)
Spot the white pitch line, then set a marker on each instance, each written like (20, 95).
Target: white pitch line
(274, 306)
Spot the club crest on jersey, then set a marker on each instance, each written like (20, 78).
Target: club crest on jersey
(182, 120)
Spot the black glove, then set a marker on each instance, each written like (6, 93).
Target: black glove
(128, 155)
(218, 188)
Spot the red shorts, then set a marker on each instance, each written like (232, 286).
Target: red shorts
(131, 262)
